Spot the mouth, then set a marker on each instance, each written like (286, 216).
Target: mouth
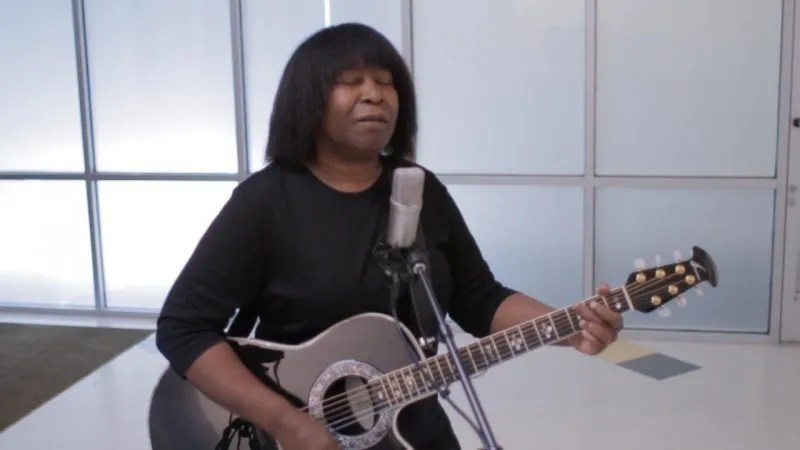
(375, 118)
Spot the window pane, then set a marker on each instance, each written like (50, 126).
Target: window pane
(688, 87)
(734, 225)
(525, 250)
(272, 30)
(149, 229)
(501, 86)
(162, 85)
(45, 245)
(40, 125)
(385, 16)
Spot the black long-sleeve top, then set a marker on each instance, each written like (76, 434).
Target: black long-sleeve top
(301, 255)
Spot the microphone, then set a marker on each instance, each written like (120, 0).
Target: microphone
(405, 205)
(408, 262)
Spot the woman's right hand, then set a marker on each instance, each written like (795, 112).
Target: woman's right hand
(299, 431)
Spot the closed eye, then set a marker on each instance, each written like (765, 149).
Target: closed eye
(350, 80)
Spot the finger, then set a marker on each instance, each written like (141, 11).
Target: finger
(607, 316)
(599, 313)
(588, 312)
(589, 345)
(595, 325)
(602, 334)
(603, 289)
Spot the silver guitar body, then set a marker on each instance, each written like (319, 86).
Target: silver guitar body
(338, 360)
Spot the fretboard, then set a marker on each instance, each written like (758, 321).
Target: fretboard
(414, 381)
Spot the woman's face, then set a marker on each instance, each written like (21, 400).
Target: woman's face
(361, 113)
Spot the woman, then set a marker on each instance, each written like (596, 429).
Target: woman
(295, 241)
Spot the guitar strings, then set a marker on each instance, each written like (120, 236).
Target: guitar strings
(340, 420)
(342, 415)
(338, 417)
(525, 328)
(343, 422)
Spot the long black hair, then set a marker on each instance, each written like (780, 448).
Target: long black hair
(307, 81)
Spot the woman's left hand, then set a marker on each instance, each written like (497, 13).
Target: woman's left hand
(600, 326)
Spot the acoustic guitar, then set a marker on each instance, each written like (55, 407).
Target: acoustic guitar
(357, 376)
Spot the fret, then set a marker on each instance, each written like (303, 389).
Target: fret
(397, 384)
(410, 381)
(486, 361)
(628, 298)
(496, 351)
(538, 335)
(428, 380)
(508, 342)
(516, 340)
(614, 303)
(472, 360)
(521, 337)
(531, 337)
(491, 350)
(391, 391)
(500, 343)
(555, 328)
(451, 371)
(425, 378)
(564, 323)
(569, 312)
(420, 383)
(545, 329)
(442, 378)
(577, 319)
(383, 393)
(605, 300)
(476, 351)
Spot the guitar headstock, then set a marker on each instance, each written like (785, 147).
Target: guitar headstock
(651, 288)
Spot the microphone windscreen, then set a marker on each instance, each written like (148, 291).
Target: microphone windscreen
(405, 205)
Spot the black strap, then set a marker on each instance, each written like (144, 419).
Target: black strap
(240, 429)
(244, 321)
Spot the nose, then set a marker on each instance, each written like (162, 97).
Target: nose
(371, 91)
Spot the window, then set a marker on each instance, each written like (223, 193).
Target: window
(45, 244)
(40, 124)
(149, 230)
(162, 86)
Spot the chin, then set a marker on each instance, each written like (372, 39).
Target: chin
(365, 155)
(369, 150)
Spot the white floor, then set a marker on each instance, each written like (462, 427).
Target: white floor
(745, 397)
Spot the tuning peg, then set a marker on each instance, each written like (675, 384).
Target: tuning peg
(664, 312)
(677, 254)
(699, 292)
(639, 263)
(681, 301)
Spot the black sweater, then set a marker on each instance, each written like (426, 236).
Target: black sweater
(300, 254)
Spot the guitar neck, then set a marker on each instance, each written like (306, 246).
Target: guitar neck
(644, 291)
(413, 382)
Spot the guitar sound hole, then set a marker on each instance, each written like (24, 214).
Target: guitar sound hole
(348, 407)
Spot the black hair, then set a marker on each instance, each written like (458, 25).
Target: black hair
(307, 81)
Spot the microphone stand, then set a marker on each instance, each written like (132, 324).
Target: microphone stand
(417, 267)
